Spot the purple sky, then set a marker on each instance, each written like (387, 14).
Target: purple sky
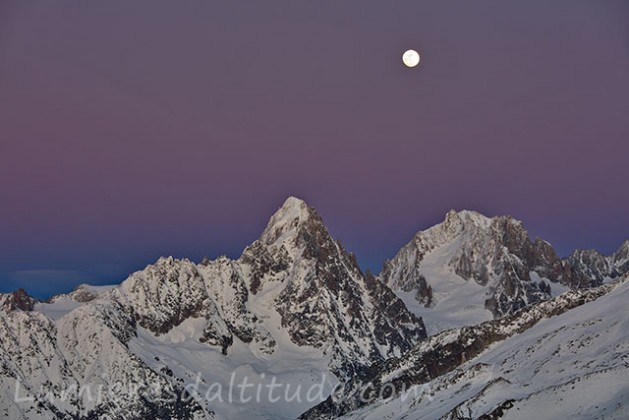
(130, 130)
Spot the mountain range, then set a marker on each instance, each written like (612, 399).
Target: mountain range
(295, 309)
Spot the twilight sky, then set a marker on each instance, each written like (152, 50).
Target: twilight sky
(130, 130)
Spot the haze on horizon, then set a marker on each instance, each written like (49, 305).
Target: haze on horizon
(134, 130)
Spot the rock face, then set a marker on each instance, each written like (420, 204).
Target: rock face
(492, 252)
(295, 270)
(294, 283)
(322, 296)
(165, 294)
(593, 265)
(17, 301)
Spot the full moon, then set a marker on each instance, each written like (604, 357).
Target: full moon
(410, 58)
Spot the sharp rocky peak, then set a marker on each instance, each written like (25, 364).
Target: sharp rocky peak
(597, 267)
(297, 270)
(19, 300)
(292, 216)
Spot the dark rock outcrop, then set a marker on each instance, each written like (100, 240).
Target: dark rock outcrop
(19, 300)
(596, 267)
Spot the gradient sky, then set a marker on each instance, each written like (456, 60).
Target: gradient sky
(134, 129)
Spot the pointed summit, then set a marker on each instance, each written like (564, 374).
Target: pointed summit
(321, 295)
(293, 232)
(293, 201)
(292, 208)
(287, 220)
(452, 221)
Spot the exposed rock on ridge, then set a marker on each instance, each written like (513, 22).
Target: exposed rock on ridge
(493, 252)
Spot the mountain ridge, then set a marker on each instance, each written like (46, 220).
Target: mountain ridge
(493, 262)
(437, 362)
(294, 303)
(294, 291)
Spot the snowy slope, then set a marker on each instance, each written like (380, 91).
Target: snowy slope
(571, 365)
(454, 301)
(181, 354)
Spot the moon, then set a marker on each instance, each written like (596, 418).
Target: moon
(410, 58)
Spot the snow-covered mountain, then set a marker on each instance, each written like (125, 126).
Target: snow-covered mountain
(75, 366)
(294, 311)
(295, 271)
(567, 357)
(471, 268)
(295, 305)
